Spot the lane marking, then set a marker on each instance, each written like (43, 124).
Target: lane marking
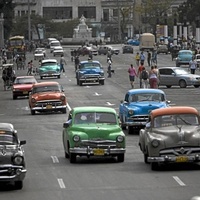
(61, 183)
(110, 104)
(54, 159)
(178, 180)
(96, 94)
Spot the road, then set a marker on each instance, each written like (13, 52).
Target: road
(51, 177)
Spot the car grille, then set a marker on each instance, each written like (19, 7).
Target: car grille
(139, 118)
(8, 170)
(178, 151)
(98, 143)
(52, 102)
(91, 76)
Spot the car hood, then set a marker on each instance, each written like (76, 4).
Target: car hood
(145, 107)
(90, 71)
(173, 136)
(185, 57)
(101, 131)
(23, 86)
(46, 96)
(49, 68)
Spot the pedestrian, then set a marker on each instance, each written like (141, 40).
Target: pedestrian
(109, 68)
(139, 72)
(153, 79)
(145, 77)
(192, 65)
(154, 57)
(62, 63)
(76, 62)
(30, 68)
(142, 57)
(149, 58)
(132, 74)
(137, 59)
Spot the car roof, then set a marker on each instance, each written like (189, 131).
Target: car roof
(93, 109)
(92, 61)
(185, 50)
(25, 77)
(142, 91)
(171, 68)
(6, 127)
(174, 110)
(46, 83)
(49, 60)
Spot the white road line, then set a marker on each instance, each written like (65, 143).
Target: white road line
(54, 159)
(178, 180)
(61, 183)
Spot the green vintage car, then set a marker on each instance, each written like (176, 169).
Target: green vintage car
(49, 68)
(93, 131)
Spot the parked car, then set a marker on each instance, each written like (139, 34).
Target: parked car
(47, 97)
(177, 76)
(134, 42)
(171, 135)
(58, 51)
(90, 72)
(184, 57)
(12, 156)
(85, 50)
(197, 59)
(134, 110)
(49, 68)
(103, 49)
(38, 54)
(93, 131)
(22, 86)
(162, 48)
(127, 49)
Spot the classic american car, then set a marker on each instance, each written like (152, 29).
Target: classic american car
(22, 86)
(49, 68)
(47, 97)
(12, 156)
(90, 72)
(93, 131)
(184, 57)
(38, 54)
(172, 135)
(138, 103)
(58, 51)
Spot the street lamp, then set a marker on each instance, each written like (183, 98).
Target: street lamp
(197, 30)
(175, 30)
(29, 22)
(165, 29)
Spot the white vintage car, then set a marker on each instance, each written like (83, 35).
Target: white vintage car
(172, 135)
(58, 51)
(38, 54)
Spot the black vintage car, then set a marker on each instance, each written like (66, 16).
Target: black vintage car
(12, 165)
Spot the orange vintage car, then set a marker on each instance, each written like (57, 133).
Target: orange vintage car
(47, 97)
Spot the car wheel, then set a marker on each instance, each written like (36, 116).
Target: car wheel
(64, 110)
(41, 77)
(182, 84)
(101, 82)
(196, 86)
(14, 97)
(130, 130)
(146, 157)
(32, 112)
(120, 158)
(168, 86)
(18, 185)
(77, 81)
(72, 158)
(154, 166)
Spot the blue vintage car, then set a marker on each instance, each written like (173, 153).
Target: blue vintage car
(184, 57)
(49, 68)
(134, 42)
(138, 103)
(90, 71)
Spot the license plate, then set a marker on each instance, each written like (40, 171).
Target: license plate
(25, 92)
(48, 106)
(182, 159)
(98, 152)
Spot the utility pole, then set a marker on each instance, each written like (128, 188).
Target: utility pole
(1, 30)
(119, 22)
(29, 22)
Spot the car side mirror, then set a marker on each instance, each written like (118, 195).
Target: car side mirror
(22, 142)
(65, 125)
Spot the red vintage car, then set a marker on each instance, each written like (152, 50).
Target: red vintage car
(47, 97)
(22, 86)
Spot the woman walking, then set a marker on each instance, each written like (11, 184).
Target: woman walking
(132, 73)
(153, 79)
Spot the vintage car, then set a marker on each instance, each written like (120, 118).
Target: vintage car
(49, 68)
(177, 76)
(162, 48)
(90, 72)
(93, 131)
(138, 103)
(86, 50)
(38, 54)
(12, 156)
(184, 57)
(22, 86)
(171, 135)
(47, 97)
(134, 42)
(127, 49)
(58, 51)
(104, 49)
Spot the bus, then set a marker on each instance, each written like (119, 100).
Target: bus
(147, 42)
(16, 44)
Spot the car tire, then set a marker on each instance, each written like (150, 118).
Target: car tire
(80, 83)
(41, 77)
(58, 76)
(14, 97)
(18, 185)
(32, 112)
(196, 86)
(182, 84)
(72, 158)
(130, 130)
(168, 86)
(66, 155)
(154, 166)
(146, 158)
(120, 158)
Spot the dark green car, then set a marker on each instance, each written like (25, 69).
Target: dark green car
(93, 131)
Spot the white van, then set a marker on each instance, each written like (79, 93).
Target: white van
(147, 42)
(53, 44)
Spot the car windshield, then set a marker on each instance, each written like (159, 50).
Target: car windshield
(185, 53)
(48, 88)
(95, 117)
(146, 97)
(7, 138)
(180, 71)
(90, 65)
(25, 81)
(177, 119)
(48, 63)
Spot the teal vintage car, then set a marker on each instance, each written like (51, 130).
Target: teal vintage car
(49, 68)
(93, 131)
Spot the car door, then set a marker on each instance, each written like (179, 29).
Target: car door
(167, 76)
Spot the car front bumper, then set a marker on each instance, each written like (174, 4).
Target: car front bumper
(48, 108)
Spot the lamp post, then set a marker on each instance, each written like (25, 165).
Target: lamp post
(175, 30)
(165, 29)
(119, 22)
(197, 30)
(184, 39)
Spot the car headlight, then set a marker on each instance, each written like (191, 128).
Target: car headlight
(62, 98)
(33, 100)
(120, 138)
(130, 112)
(18, 160)
(76, 138)
(155, 143)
